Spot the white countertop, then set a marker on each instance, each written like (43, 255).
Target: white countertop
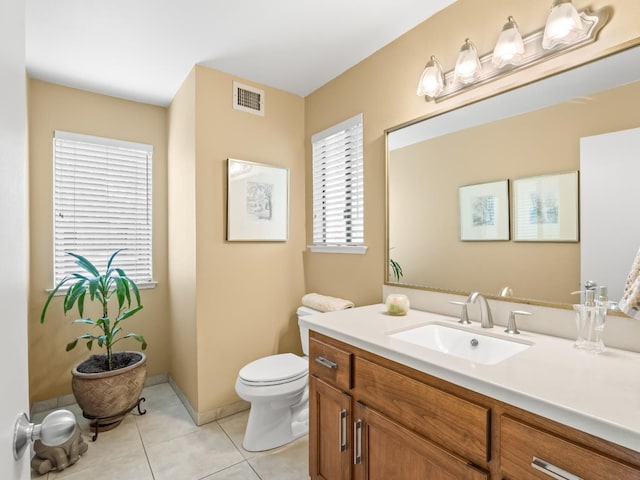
(598, 394)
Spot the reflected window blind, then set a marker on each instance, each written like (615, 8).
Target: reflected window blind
(338, 185)
(102, 203)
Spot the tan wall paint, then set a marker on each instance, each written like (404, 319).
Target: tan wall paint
(383, 87)
(182, 238)
(245, 293)
(53, 107)
(424, 183)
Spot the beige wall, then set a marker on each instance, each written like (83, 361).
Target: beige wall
(52, 107)
(383, 87)
(181, 215)
(244, 293)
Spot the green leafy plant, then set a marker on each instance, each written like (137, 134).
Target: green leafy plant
(100, 287)
(396, 269)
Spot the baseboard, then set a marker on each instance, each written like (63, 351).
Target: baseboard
(200, 418)
(69, 399)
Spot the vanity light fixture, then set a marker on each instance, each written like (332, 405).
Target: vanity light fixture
(566, 29)
(431, 81)
(468, 67)
(509, 49)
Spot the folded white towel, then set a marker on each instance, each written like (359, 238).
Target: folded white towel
(630, 303)
(325, 303)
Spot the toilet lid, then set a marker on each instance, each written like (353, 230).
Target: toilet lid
(275, 369)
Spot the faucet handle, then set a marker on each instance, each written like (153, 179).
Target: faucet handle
(464, 315)
(511, 327)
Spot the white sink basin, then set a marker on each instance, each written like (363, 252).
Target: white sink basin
(459, 342)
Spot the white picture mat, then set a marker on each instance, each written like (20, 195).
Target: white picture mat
(545, 208)
(484, 211)
(257, 201)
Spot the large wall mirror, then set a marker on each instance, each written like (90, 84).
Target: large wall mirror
(567, 126)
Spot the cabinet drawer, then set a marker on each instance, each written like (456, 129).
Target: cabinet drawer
(522, 445)
(456, 424)
(330, 364)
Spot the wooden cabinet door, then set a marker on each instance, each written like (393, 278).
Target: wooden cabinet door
(330, 453)
(387, 451)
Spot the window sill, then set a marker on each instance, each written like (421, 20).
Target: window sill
(353, 249)
(141, 286)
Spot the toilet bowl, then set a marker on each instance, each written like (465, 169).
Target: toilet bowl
(277, 387)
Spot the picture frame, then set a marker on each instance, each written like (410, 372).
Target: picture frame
(257, 202)
(484, 211)
(545, 208)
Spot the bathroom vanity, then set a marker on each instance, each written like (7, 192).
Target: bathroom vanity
(386, 408)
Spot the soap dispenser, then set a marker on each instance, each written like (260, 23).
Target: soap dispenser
(590, 318)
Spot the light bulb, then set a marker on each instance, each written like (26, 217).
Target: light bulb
(431, 81)
(509, 48)
(563, 26)
(468, 66)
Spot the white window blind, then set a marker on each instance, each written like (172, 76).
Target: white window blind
(102, 203)
(338, 186)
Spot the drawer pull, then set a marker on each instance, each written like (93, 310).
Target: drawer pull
(357, 442)
(343, 430)
(327, 363)
(552, 471)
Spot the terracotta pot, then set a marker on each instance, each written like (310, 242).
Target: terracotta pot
(107, 397)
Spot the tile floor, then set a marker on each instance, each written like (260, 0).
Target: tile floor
(165, 444)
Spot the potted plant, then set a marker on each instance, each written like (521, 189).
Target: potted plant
(106, 386)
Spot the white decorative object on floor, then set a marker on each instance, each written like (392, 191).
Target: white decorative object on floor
(278, 389)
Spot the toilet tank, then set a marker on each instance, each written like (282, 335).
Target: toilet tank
(304, 331)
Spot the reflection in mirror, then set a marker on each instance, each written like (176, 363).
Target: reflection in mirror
(528, 132)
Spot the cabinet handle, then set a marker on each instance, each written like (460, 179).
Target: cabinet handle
(343, 430)
(552, 471)
(357, 442)
(327, 363)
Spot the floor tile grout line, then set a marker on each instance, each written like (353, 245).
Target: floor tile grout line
(144, 447)
(246, 460)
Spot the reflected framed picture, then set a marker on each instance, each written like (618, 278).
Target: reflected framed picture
(484, 211)
(545, 208)
(257, 202)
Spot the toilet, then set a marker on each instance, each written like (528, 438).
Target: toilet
(277, 387)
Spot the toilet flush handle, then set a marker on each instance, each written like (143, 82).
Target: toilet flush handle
(327, 363)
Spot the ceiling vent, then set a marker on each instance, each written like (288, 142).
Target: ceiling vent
(248, 99)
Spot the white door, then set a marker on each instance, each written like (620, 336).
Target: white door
(609, 230)
(13, 235)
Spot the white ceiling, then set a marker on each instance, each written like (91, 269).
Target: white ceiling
(143, 49)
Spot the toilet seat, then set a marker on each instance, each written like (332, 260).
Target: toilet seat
(274, 370)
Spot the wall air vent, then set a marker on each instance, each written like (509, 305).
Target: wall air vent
(248, 99)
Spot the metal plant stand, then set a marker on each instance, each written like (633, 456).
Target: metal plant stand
(103, 424)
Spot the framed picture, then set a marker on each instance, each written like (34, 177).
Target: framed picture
(484, 211)
(257, 202)
(545, 208)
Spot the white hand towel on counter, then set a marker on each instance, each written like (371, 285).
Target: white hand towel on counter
(325, 303)
(630, 303)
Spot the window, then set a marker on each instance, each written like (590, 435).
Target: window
(102, 203)
(338, 184)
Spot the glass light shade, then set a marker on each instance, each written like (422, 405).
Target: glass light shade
(564, 25)
(509, 48)
(431, 81)
(468, 66)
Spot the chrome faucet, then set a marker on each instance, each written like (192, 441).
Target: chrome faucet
(486, 320)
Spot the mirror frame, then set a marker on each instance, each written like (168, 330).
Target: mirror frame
(517, 94)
